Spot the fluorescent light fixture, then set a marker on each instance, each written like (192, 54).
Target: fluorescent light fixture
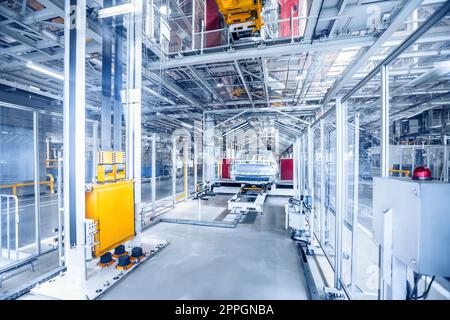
(186, 125)
(116, 10)
(164, 10)
(45, 70)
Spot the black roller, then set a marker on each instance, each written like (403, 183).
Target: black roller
(119, 250)
(106, 258)
(136, 252)
(124, 261)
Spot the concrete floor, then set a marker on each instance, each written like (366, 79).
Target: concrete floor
(253, 261)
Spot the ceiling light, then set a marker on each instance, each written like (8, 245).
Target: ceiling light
(186, 125)
(116, 10)
(220, 83)
(45, 70)
(164, 10)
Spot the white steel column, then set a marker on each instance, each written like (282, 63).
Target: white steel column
(208, 148)
(384, 122)
(311, 179)
(355, 200)
(37, 189)
(133, 110)
(295, 168)
(195, 160)
(174, 170)
(94, 151)
(153, 174)
(74, 141)
(186, 156)
(341, 196)
(323, 224)
(193, 25)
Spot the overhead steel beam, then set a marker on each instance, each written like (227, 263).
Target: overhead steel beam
(170, 85)
(39, 57)
(12, 33)
(268, 51)
(260, 101)
(266, 80)
(292, 117)
(229, 119)
(311, 24)
(205, 83)
(404, 12)
(263, 110)
(40, 15)
(30, 89)
(416, 35)
(249, 94)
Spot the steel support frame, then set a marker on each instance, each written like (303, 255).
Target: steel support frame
(118, 57)
(323, 225)
(436, 17)
(133, 111)
(37, 188)
(153, 181)
(107, 47)
(241, 75)
(384, 121)
(267, 52)
(310, 173)
(208, 147)
(406, 10)
(341, 187)
(74, 141)
(353, 272)
(295, 166)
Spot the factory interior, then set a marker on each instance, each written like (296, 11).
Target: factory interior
(224, 149)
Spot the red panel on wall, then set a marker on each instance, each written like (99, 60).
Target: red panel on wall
(285, 14)
(287, 169)
(212, 39)
(226, 166)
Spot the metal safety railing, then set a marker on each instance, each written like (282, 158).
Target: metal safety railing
(9, 204)
(50, 183)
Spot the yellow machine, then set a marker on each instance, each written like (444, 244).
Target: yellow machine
(105, 166)
(119, 165)
(242, 16)
(110, 203)
(111, 206)
(111, 166)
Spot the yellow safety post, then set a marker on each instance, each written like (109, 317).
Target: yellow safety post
(406, 172)
(52, 183)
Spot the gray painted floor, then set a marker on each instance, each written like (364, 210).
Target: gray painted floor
(253, 261)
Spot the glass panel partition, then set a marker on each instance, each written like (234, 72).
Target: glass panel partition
(329, 158)
(366, 103)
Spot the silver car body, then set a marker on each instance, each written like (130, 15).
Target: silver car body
(254, 167)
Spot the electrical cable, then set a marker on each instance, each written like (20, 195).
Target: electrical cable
(427, 290)
(411, 292)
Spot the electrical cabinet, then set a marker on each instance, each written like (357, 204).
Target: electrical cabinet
(111, 207)
(420, 225)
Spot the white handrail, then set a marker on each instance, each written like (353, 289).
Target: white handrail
(8, 198)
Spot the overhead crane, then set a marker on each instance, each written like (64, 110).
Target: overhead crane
(243, 17)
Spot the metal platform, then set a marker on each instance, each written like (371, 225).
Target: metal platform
(99, 279)
(248, 199)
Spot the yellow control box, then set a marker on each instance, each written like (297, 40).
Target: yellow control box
(105, 173)
(119, 157)
(105, 157)
(111, 206)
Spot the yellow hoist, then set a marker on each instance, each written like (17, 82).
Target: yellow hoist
(243, 17)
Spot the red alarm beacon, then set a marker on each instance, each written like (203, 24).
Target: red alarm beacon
(422, 173)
